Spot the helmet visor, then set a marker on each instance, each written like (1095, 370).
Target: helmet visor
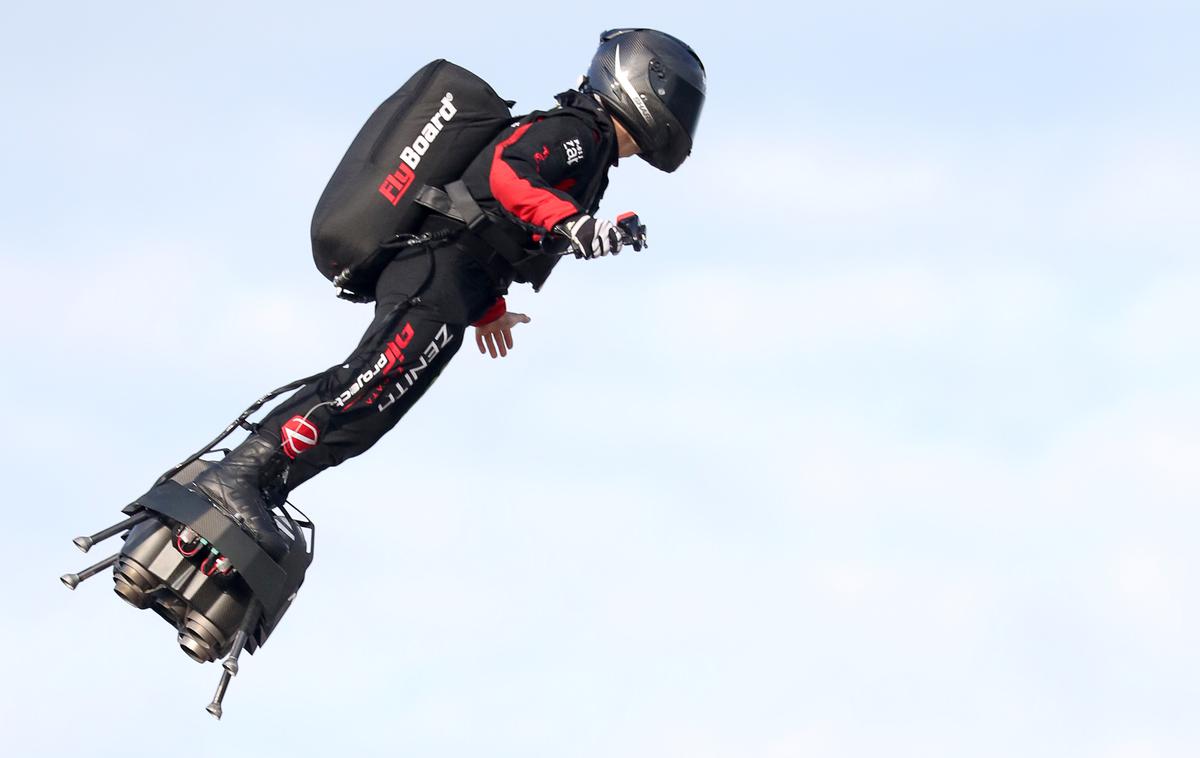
(685, 102)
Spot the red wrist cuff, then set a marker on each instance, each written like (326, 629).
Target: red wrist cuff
(498, 309)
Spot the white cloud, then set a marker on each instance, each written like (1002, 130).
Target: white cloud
(1093, 196)
(788, 308)
(1143, 188)
(813, 178)
(1159, 329)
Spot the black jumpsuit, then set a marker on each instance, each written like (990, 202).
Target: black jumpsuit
(548, 167)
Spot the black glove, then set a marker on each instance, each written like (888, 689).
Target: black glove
(590, 237)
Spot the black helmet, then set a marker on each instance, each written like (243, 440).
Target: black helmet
(653, 84)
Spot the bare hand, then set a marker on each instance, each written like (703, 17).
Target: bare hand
(495, 337)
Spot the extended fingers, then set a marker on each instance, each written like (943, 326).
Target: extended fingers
(496, 338)
(486, 340)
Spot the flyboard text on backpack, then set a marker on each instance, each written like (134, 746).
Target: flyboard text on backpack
(426, 133)
(396, 184)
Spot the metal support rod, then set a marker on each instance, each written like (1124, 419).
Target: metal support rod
(86, 543)
(72, 580)
(239, 639)
(215, 706)
(239, 421)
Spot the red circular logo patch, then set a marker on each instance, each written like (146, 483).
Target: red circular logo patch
(298, 435)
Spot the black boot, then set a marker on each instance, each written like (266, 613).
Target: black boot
(240, 484)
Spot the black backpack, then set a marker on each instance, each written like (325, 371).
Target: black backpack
(427, 133)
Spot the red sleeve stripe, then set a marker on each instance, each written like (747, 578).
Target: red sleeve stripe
(498, 309)
(535, 205)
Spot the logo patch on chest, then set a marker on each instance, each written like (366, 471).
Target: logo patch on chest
(574, 151)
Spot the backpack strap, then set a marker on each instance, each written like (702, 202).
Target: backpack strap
(438, 200)
(500, 246)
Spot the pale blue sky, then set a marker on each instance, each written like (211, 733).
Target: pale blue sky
(886, 447)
